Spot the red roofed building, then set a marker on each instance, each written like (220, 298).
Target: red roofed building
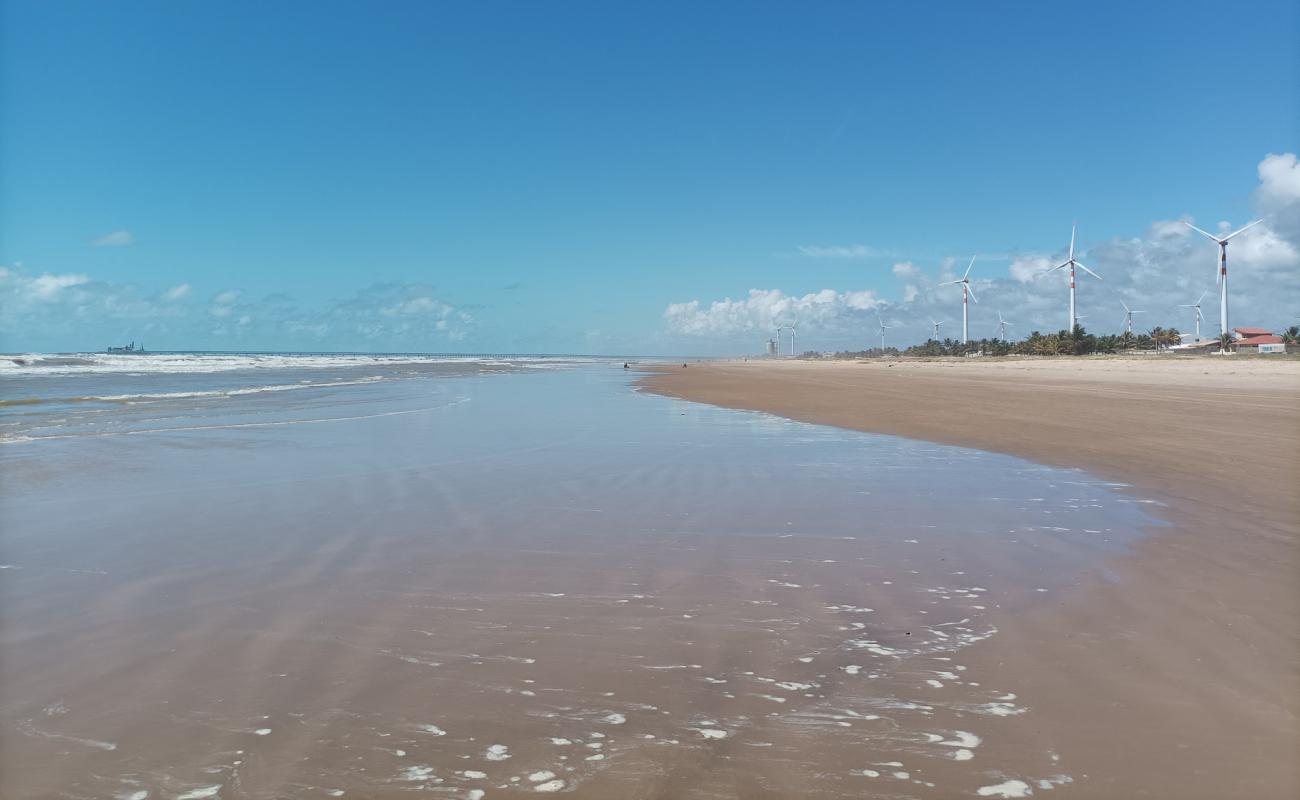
(1249, 339)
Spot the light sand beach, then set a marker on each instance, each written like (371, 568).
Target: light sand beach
(1171, 670)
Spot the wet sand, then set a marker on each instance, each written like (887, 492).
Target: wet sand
(1173, 671)
(506, 585)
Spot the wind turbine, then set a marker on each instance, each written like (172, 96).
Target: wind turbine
(1221, 274)
(883, 328)
(1197, 306)
(965, 292)
(1073, 262)
(936, 325)
(1002, 327)
(792, 333)
(1128, 317)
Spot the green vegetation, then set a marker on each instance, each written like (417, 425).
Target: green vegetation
(1062, 343)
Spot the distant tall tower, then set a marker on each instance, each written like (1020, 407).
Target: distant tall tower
(771, 347)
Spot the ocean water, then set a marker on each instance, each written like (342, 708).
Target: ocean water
(486, 577)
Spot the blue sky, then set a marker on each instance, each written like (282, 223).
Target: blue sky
(555, 177)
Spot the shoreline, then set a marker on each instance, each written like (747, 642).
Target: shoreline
(1174, 671)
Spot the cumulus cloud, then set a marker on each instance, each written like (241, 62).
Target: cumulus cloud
(1168, 265)
(906, 269)
(48, 287)
(764, 309)
(114, 239)
(75, 312)
(1278, 194)
(178, 292)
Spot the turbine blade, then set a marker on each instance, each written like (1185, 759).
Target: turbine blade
(972, 293)
(1072, 230)
(968, 266)
(1126, 308)
(949, 283)
(1090, 272)
(1199, 299)
(1242, 230)
(1198, 230)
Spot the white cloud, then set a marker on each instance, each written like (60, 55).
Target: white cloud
(906, 269)
(1279, 179)
(841, 251)
(114, 239)
(1029, 268)
(1278, 194)
(1166, 266)
(46, 287)
(764, 309)
(66, 311)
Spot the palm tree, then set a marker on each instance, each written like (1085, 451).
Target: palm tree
(1291, 335)
(1226, 342)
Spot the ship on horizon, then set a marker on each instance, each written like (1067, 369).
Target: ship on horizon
(130, 348)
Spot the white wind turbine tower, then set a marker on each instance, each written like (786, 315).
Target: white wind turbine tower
(791, 326)
(1002, 327)
(1073, 262)
(936, 325)
(965, 293)
(1128, 317)
(1197, 306)
(1221, 273)
(883, 328)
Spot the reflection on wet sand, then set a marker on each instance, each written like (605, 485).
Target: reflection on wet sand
(551, 584)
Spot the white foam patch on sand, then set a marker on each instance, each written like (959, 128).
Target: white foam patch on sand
(614, 719)
(140, 794)
(335, 792)
(199, 794)
(712, 733)
(934, 683)
(263, 731)
(597, 757)
(998, 709)
(556, 740)
(1012, 788)
(852, 669)
(474, 774)
(962, 754)
(475, 794)
(549, 786)
(773, 698)
(866, 773)
(963, 739)
(417, 773)
(796, 687)
(497, 752)
(432, 729)
(541, 775)
(1054, 781)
